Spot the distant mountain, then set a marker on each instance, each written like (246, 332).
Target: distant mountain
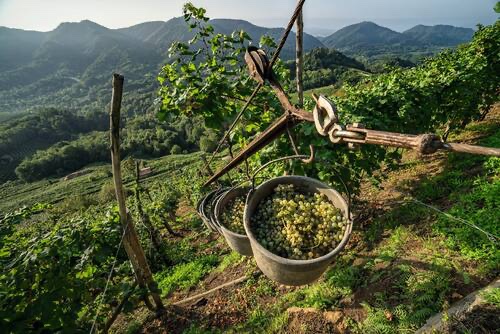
(227, 26)
(365, 35)
(18, 47)
(440, 35)
(370, 39)
(162, 34)
(72, 64)
(69, 65)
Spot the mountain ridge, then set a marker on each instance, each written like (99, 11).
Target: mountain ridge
(71, 64)
(368, 38)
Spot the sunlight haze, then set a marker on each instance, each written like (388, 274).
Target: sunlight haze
(321, 16)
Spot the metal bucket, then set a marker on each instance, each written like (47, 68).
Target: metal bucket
(237, 242)
(204, 209)
(211, 214)
(277, 268)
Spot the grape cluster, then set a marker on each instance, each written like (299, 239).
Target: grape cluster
(232, 217)
(298, 226)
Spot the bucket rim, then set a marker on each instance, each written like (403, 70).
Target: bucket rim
(205, 217)
(218, 209)
(327, 257)
(215, 199)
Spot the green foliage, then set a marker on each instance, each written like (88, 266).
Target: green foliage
(54, 271)
(185, 275)
(324, 67)
(492, 296)
(176, 149)
(340, 282)
(65, 157)
(143, 136)
(208, 144)
(424, 294)
(480, 206)
(207, 78)
(22, 136)
(229, 260)
(133, 328)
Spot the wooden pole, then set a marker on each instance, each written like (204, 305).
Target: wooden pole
(472, 149)
(300, 58)
(131, 240)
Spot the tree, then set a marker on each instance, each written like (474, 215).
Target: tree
(176, 149)
(207, 144)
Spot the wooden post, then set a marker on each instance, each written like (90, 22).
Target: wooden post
(300, 58)
(131, 240)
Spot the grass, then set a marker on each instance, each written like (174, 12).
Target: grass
(186, 275)
(229, 260)
(492, 296)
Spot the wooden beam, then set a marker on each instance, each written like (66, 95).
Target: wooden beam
(273, 131)
(472, 149)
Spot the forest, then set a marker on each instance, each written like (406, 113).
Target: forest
(63, 264)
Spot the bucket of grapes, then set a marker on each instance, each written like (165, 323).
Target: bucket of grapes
(229, 218)
(296, 226)
(211, 214)
(206, 207)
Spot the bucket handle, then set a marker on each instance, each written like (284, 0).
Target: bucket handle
(306, 159)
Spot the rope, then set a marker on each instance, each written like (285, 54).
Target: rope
(109, 278)
(283, 40)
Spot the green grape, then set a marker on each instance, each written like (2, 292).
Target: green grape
(232, 217)
(296, 225)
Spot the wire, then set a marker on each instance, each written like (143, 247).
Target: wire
(493, 238)
(233, 125)
(109, 277)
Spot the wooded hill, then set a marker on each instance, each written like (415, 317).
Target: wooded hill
(370, 39)
(70, 65)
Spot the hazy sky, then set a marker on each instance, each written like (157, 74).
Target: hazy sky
(321, 16)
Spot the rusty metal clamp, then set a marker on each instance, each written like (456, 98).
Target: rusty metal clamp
(325, 115)
(327, 122)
